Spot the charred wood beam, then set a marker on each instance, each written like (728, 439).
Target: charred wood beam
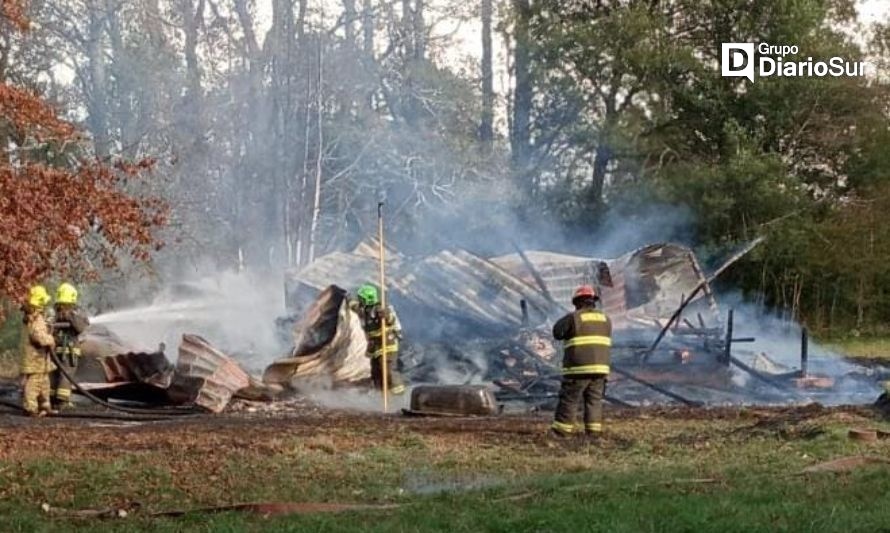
(804, 352)
(757, 374)
(727, 347)
(535, 274)
(701, 285)
(656, 388)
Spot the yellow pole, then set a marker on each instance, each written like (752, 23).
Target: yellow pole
(383, 361)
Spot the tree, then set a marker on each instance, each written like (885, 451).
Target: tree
(486, 126)
(62, 212)
(630, 109)
(520, 124)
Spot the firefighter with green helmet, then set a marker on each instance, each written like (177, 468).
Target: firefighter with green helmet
(373, 316)
(68, 324)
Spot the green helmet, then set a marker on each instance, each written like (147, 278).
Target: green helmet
(368, 294)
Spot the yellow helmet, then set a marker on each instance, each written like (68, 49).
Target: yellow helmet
(66, 294)
(38, 297)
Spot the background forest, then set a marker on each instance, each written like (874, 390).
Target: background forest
(272, 128)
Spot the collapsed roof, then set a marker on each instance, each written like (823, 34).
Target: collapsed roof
(458, 293)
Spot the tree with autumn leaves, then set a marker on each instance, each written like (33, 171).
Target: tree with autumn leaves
(63, 212)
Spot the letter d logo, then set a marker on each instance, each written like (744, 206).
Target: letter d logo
(737, 60)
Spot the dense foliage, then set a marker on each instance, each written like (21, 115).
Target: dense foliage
(60, 209)
(279, 125)
(632, 94)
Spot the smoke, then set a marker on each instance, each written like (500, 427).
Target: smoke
(322, 391)
(622, 231)
(777, 350)
(485, 223)
(234, 311)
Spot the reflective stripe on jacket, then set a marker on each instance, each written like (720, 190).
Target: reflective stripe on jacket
(372, 323)
(587, 341)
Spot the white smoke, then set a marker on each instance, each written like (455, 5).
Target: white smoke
(234, 311)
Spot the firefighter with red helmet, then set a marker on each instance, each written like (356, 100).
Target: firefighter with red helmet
(586, 336)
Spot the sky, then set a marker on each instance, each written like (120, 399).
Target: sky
(873, 10)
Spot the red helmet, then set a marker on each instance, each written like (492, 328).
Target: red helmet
(584, 291)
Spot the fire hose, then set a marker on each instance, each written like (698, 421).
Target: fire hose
(128, 413)
(131, 410)
(100, 415)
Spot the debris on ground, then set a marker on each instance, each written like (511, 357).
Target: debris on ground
(461, 400)
(205, 376)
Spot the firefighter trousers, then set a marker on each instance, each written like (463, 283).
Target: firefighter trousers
(394, 378)
(60, 384)
(588, 390)
(36, 393)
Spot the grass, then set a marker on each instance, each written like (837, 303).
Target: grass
(726, 474)
(877, 347)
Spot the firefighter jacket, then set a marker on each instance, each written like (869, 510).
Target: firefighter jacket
(372, 324)
(37, 341)
(587, 340)
(69, 323)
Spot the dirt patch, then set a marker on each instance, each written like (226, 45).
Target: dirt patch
(333, 431)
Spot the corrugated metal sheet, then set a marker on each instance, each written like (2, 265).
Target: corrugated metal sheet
(205, 376)
(460, 283)
(329, 343)
(647, 284)
(344, 269)
(461, 291)
(149, 368)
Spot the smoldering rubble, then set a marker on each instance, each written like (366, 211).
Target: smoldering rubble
(482, 324)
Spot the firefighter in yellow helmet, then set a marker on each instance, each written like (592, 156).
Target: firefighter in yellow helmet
(372, 316)
(68, 324)
(37, 343)
(587, 339)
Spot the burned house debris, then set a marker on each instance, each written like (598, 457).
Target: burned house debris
(203, 376)
(478, 338)
(476, 320)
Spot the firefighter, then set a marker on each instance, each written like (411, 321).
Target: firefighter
(37, 343)
(587, 339)
(68, 324)
(371, 314)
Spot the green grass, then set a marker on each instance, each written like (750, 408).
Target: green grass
(648, 478)
(862, 347)
(659, 500)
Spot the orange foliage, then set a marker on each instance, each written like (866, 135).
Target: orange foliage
(53, 220)
(14, 12)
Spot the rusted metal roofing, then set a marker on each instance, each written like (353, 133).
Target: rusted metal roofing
(642, 287)
(329, 343)
(205, 376)
(462, 294)
(466, 285)
(148, 368)
(344, 269)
